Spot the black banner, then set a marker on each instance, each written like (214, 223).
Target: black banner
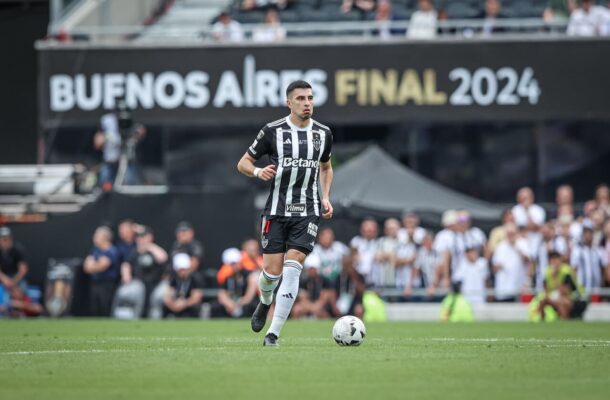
(364, 83)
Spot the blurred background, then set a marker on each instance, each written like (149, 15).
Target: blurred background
(456, 116)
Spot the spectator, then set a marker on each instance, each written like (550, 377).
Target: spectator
(13, 265)
(445, 246)
(510, 263)
(561, 291)
(473, 273)
(498, 233)
(607, 250)
(362, 6)
(317, 297)
(411, 232)
(468, 235)
(567, 233)
(588, 261)
(184, 296)
(384, 272)
(529, 216)
(251, 257)
(550, 242)
(250, 5)
(404, 261)
(564, 200)
(492, 12)
(427, 271)
(423, 22)
(602, 200)
(126, 243)
(527, 213)
(364, 247)
(102, 265)
(237, 295)
(588, 20)
(117, 138)
(226, 30)
(141, 273)
(271, 30)
(558, 10)
(186, 243)
(383, 20)
(21, 305)
(332, 254)
(349, 288)
(564, 195)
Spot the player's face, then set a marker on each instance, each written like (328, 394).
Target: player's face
(300, 103)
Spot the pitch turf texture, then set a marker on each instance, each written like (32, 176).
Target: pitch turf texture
(93, 359)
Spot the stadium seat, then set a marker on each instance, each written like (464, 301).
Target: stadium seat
(461, 10)
(523, 9)
(249, 17)
(288, 16)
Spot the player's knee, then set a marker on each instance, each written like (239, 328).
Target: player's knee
(295, 255)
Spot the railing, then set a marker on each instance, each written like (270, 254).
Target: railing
(462, 28)
(418, 293)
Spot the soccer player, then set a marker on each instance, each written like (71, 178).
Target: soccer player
(299, 150)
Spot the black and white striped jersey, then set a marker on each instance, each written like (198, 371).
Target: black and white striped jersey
(297, 154)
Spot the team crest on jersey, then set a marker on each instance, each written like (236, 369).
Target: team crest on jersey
(317, 143)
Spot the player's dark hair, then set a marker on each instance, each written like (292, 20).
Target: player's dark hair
(297, 85)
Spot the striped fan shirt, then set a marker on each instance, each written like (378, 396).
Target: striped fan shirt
(297, 154)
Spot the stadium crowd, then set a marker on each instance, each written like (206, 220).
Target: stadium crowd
(560, 257)
(585, 17)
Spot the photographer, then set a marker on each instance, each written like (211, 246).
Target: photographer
(117, 138)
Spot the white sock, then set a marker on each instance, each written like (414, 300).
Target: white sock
(289, 289)
(267, 284)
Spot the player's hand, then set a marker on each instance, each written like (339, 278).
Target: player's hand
(267, 173)
(327, 208)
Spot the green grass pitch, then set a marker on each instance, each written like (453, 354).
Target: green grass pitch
(102, 359)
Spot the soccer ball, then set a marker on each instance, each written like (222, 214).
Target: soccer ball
(349, 331)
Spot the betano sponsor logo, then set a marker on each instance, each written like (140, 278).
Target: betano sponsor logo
(171, 89)
(289, 162)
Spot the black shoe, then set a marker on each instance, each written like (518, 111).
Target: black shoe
(270, 340)
(259, 317)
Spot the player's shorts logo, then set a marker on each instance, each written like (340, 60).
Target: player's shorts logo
(312, 229)
(295, 208)
(264, 241)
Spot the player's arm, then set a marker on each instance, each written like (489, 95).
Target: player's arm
(326, 180)
(258, 148)
(326, 177)
(246, 166)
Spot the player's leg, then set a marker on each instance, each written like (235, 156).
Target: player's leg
(273, 241)
(288, 291)
(301, 236)
(268, 281)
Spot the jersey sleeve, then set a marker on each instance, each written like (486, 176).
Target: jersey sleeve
(261, 145)
(328, 145)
